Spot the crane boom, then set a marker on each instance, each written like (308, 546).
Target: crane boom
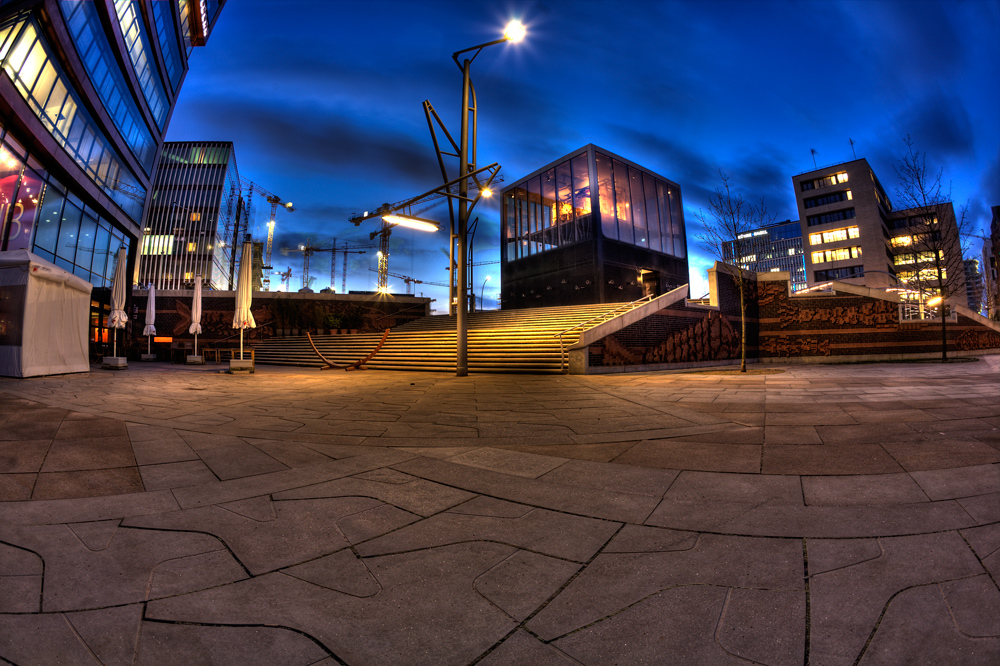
(275, 201)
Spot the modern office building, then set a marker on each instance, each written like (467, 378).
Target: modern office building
(991, 266)
(845, 225)
(194, 218)
(853, 234)
(85, 97)
(590, 227)
(769, 249)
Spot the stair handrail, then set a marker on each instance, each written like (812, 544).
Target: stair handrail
(600, 319)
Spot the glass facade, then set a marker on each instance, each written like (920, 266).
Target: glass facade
(638, 208)
(26, 59)
(192, 222)
(770, 249)
(41, 215)
(92, 45)
(166, 35)
(554, 208)
(140, 52)
(549, 210)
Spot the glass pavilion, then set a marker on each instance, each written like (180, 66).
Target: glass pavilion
(591, 227)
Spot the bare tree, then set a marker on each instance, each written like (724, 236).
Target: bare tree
(728, 235)
(936, 241)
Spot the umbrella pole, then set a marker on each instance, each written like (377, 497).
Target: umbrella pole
(114, 338)
(195, 344)
(149, 345)
(241, 344)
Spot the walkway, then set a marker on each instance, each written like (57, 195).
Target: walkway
(825, 515)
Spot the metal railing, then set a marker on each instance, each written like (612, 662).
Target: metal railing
(599, 319)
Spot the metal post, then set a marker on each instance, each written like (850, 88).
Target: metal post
(461, 337)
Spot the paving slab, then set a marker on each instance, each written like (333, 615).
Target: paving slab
(820, 515)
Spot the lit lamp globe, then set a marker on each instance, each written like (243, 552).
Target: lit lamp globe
(514, 32)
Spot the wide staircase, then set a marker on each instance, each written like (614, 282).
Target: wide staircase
(498, 341)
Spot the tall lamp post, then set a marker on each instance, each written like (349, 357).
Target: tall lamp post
(514, 33)
(482, 291)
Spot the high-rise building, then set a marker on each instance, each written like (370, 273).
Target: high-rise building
(194, 218)
(591, 227)
(769, 249)
(85, 97)
(845, 225)
(853, 234)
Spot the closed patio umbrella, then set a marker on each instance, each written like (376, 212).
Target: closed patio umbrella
(243, 318)
(117, 318)
(150, 329)
(195, 326)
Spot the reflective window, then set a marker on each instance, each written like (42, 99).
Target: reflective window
(95, 52)
(10, 173)
(623, 210)
(166, 35)
(678, 222)
(47, 230)
(638, 207)
(581, 195)
(652, 216)
(69, 230)
(140, 52)
(606, 197)
(666, 223)
(22, 219)
(511, 227)
(68, 122)
(564, 202)
(549, 207)
(85, 242)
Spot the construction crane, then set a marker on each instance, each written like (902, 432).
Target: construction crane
(344, 249)
(286, 277)
(275, 201)
(448, 190)
(409, 280)
(308, 250)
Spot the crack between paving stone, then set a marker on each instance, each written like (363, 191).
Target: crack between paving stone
(980, 559)
(330, 653)
(808, 618)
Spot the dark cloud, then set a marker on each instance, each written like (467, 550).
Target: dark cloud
(940, 125)
(327, 143)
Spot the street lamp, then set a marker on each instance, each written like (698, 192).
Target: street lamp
(513, 33)
(483, 291)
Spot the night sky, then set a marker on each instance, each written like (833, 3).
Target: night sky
(323, 99)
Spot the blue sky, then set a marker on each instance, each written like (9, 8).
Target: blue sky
(322, 100)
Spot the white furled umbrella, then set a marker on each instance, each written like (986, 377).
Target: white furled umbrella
(117, 318)
(243, 318)
(195, 326)
(150, 329)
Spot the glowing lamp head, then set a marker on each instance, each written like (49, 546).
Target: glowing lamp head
(514, 32)
(488, 278)
(412, 222)
(935, 300)
(487, 192)
(379, 254)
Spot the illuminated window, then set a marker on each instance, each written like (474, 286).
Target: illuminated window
(834, 235)
(899, 241)
(815, 239)
(791, 251)
(189, 275)
(842, 177)
(192, 246)
(196, 217)
(919, 257)
(158, 244)
(838, 254)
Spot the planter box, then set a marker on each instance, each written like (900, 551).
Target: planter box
(196, 360)
(114, 363)
(237, 366)
(149, 357)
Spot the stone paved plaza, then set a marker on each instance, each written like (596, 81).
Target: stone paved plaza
(823, 515)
